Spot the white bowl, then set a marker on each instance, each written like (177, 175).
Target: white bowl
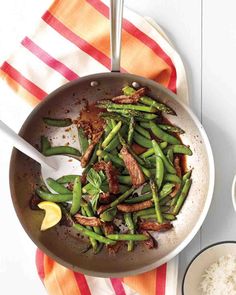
(196, 268)
(234, 192)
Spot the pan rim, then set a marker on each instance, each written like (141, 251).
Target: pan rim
(201, 217)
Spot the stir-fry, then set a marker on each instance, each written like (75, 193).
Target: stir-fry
(134, 180)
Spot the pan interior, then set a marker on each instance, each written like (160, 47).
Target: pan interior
(64, 245)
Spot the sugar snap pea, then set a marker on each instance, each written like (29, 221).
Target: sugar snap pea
(141, 140)
(90, 213)
(57, 122)
(112, 134)
(171, 128)
(66, 179)
(179, 149)
(82, 140)
(124, 179)
(172, 178)
(93, 242)
(159, 133)
(149, 211)
(62, 150)
(45, 144)
(121, 198)
(57, 198)
(129, 222)
(151, 152)
(139, 199)
(108, 215)
(57, 187)
(77, 195)
(182, 196)
(159, 172)
(156, 201)
(115, 159)
(142, 131)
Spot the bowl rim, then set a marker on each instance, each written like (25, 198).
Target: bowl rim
(198, 254)
(233, 192)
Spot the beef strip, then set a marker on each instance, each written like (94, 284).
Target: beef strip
(136, 174)
(151, 243)
(135, 207)
(149, 225)
(102, 208)
(91, 221)
(134, 98)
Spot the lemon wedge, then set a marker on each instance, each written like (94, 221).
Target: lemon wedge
(52, 214)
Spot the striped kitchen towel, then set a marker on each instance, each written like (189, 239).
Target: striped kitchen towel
(72, 40)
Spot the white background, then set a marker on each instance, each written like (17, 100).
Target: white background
(204, 32)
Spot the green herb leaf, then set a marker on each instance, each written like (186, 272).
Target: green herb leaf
(94, 202)
(94, 178)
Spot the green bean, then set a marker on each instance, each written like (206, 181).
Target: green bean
(57, 198)
(115, 116)
(172, 178)
(66, 179)
(139, 199)
(121, 198)
(141, 140)
(45, 144)
(179, 149)
(171, 128)
(125, 179)
(112, 134)
(169, 216)
(82, 140)
(149, 216)
(93, 235)
(146, 172)
(108, 215)
(159, 152)
(57, 122)
(89, 212)
(149, 211)
(112, 145)
(131, 131)
(93, 242)
(151, 152)
(142, 131)
(135, 107)
(145, 125)
(62, 150)
(127, 90)
(156, 202)
(182, 196)
(159, 133)
(130, 225)
(115, 159)
(187, 175)
(170, 155)
(57, 187)
(159, 172)
(128, 237)
(77, 195)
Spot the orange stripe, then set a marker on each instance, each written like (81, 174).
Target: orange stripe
(144, 284)
(58, 279)
(31, 99)
(136, 56)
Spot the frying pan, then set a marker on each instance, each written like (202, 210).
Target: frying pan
(63, 244)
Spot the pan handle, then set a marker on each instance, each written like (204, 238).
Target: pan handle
(116, 16)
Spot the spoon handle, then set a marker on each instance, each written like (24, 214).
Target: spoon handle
(26, 148)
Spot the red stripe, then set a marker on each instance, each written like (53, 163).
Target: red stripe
(49, 60)
(117, 286)
(161, 279)
(39, 263)
(134, 31)
(23, 81)
(78, 41)
(82, 283)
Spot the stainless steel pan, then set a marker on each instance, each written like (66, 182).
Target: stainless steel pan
(64, 245)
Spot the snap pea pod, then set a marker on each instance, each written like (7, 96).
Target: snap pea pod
(182, 196)
(171, 128)
(123, 188)
(179, 149)
(141, 140)
(167, 216)
(166, 189)
(146, 171)
(62, 150)
(124, 179)
(57, 187)
(127, 90)
(57, 198)
(89, 212)
(57, 122)
(108, 127)
(156, 201)
(136, 107)
(127, 237)
(115, 141)
(172, 178)
(93, 242)
(151, 152)
(66, 179)
(77, 195)
(130, 225)
(158, 152)
(45, 144)
(82, 140)
(170, 155)
(159, 172)
(145, 125)
(108, 215)
(187, 175)
(142, 131)
(121, 198)
(139, 199)
(112, 134)
(159, 133)
(92, 234)
(149, 211)
(165, 200)
(115, 159)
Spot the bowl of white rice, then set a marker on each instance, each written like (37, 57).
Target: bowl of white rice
(212, 271)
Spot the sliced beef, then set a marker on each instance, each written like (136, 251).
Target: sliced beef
(130, 99)
(91, 221)
(150, 225)
(135, 207)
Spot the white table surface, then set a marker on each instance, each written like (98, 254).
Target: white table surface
(204, 32)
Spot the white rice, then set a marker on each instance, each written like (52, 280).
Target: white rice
(220, 277)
